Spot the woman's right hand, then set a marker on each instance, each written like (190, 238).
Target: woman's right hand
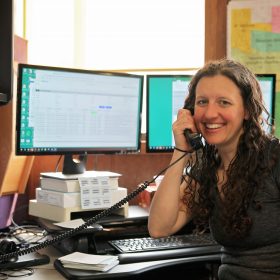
(184, 121)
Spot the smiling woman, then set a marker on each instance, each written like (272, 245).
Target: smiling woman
(231, 185)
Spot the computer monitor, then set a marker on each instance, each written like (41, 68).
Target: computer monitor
(268, 86)
(167, 93)
(63, 111)
(165, 96)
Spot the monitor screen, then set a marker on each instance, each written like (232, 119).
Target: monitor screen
(165, 96)
(73, 111)
(167, 93)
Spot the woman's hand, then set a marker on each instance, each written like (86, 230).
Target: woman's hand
(184, 121)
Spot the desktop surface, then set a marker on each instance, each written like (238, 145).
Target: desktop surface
(142, 265)
(194, 268)
(31, 259)
(148, 269)
(128, 238)
(94, 239)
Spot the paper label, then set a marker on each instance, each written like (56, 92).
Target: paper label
(95, 192)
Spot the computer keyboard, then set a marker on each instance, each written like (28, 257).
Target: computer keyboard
(176, 246)
(144, 244)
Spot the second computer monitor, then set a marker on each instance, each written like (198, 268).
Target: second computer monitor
(167, 93)
(268, 86)
(165, 96)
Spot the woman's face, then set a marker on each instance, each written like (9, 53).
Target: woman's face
(219, 111)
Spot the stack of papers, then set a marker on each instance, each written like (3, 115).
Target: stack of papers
(84, 261)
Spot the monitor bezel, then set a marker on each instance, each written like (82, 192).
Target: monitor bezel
(273, 76)
(148, 149)
(76, 151)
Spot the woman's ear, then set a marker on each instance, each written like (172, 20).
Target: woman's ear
(246, 115)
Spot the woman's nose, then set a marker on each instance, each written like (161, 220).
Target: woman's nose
(211, 111)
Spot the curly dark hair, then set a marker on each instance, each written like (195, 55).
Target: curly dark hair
(247, 169)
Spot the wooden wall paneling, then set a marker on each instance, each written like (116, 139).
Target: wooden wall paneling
(135, 169)
(215, 29)
(40, 164)
(16, 175)
(14, 170)
(5, 137)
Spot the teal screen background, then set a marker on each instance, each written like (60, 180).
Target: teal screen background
(159, 111)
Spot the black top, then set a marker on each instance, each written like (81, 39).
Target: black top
(258, 255)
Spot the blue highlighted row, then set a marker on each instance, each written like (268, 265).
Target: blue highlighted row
(105, 107)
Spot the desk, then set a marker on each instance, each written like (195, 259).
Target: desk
(191, 267)
(47, 271)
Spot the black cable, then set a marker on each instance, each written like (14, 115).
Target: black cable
(93, 220)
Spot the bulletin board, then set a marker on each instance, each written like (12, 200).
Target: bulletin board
(253, 38)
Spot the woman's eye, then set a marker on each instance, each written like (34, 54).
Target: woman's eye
(224, 102)
(201, 102)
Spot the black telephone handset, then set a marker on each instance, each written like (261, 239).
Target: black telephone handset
(193, 138)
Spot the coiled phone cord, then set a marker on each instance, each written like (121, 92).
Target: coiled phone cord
(104, 213)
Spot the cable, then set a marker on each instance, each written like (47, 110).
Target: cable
(57, 164)
(93, 220)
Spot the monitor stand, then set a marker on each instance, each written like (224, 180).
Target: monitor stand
(72, 165)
